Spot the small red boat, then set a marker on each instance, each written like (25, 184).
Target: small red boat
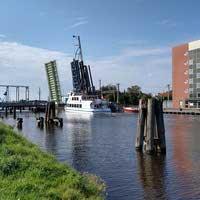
(130, 110)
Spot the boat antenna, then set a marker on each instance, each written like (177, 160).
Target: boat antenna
(79, 50)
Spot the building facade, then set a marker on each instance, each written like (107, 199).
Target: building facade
(186, 75)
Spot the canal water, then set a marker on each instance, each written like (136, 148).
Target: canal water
(104, 145)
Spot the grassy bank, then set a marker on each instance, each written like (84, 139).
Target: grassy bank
(26, 173)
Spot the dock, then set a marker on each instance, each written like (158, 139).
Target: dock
(184, 111)
(34, 105)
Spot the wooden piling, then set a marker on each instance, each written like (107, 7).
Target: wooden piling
(50, 113)
(14, 112)
(150, 126)
(19, 123)
(40, 122)
(6, 111)
(160, 126)
(150, 135)
(140, 126)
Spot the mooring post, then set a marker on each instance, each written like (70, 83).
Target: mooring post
(14, 112)
(150, 126)
(6, 111)
(19, 123)
(140, 125)
(47, 113)
(53, 110)
(160, 126)
(40, 122)
(50, 112)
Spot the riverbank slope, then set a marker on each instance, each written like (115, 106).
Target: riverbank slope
(28, 173)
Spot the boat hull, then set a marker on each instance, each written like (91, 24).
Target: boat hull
(130, 110)
(107, 110)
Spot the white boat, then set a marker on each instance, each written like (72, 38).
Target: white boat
(86, 103)
(83, 98)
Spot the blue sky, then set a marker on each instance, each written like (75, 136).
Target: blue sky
(125, 41)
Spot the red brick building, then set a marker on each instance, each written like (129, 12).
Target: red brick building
(186, 75)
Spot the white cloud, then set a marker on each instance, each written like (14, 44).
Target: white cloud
(149, 67)
(82, 18)
(21, 64)
(2, 36)
(78, 22)
(167, 22)
(136, 52)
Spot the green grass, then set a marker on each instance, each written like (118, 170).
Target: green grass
(27, 173)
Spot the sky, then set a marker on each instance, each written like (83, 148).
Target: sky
(127, 42)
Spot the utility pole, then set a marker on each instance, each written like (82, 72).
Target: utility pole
(117, 96)
(100, 88)
(39, 93)
(168, 86)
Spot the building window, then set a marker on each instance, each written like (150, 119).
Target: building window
(191, 81)
(198, 75)
(191, 90)
(186, 63)
(186, 53)
(186, 72)
(198, 65)
(198, 85)
(186, 81)
(190, 62)
(190, 71)
(186, 91)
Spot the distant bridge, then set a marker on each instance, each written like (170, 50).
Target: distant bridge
(36, 106)
(17, 87)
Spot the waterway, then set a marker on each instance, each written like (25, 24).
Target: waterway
(104, 145)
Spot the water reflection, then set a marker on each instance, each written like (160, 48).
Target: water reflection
(179, 135)
(184, 160)
(80, 135)
(152, 172)
(104, 145)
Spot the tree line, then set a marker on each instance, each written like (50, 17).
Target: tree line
(130, 96)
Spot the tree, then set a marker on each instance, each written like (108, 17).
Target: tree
(134, 90)
(109, 87)
(109, 92)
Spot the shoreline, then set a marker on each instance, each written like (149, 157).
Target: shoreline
(26, 172)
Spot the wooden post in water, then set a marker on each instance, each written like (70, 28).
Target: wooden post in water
(150, 129)
(14, 112)
(50, 113)
(140, 125)
(6, 111)
(160, 127)
(150, 125)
